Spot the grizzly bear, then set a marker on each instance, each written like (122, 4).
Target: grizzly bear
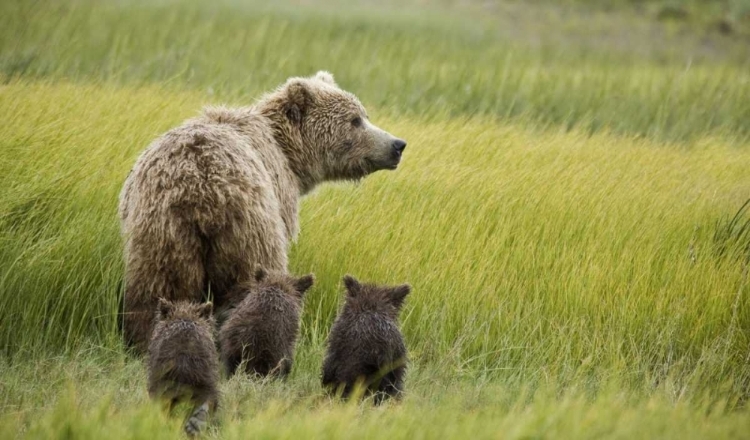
(183, 364)
(211, 199)
(262, 329)
(365, 347)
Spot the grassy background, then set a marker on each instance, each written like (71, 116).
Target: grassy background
(563, 213)
(588, 71)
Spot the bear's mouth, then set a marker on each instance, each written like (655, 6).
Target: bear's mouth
(393, 163)
(373, 165)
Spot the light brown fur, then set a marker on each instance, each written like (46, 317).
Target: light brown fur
(211, 199)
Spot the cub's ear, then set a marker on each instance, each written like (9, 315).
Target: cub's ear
(260, 274)
(304, 283)
(206, 310)
(165, 307)
(326, 77)
(353, 286)
(398, 294)
(298, 100)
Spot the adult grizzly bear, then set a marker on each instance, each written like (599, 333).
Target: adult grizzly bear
(211, 199)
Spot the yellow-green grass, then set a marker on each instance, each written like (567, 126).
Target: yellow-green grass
(558, 69)
(564, 284)
(93, 398)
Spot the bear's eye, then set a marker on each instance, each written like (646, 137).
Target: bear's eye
(357, 122)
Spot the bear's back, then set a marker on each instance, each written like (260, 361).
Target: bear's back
(371, 337)
(182, 352)
(269, 317)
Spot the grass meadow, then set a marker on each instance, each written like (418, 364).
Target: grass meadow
(571, 212)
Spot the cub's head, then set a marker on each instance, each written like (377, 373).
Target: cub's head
(294, 287)
(337, 139)
(167, 311)
(385, 300)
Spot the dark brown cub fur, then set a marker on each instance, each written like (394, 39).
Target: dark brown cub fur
(262, 329)
(183, 363)
(365, 346)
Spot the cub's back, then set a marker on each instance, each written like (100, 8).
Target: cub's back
(267, 315)
(182, 352)
(373, 337)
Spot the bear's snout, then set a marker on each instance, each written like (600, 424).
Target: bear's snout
(399, 146)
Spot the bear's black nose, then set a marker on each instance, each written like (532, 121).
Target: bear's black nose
(399, 145)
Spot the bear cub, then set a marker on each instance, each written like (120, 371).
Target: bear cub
(183, 363)
(365, 347)
(262, 329)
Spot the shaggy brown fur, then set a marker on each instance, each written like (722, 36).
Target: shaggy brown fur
(262, 330)
(365, 347)
(211, 199)
(183, 364)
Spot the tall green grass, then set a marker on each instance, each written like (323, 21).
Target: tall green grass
(413, 65)
(526, 250)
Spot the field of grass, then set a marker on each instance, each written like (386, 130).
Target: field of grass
(568, 212)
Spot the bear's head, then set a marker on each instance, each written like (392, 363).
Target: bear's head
(294, 287)
(384, 300)
(326, 132)
(168, 311)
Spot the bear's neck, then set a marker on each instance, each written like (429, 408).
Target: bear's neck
(302, 161)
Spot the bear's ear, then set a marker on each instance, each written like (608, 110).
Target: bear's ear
(398, 294)
(260, 274)
(326, 77)
(206, 310)
(298, 100)
(353, 286)
(165, 307)
(303, 284)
